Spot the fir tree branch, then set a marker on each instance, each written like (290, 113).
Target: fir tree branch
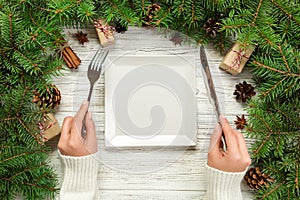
(297, 63)
(274, 86)
(34, 65)
(51, 71)
(8, 119)
(256, 151)
(285, 133)
(297, 168)
(193, 11)
(18, 155)
(24, 171)
(284, 58)
(291, 86)
(181, 6)
(290, 120)
(269, 41)
(273, 190)
(16, 70)
(22, 101)
(275, 70)
(253, 23)
(235, 26)
(33, 37)
(11, 29)
(66, 8)
(39, 186)
(286, 12)
(28, 131)
(165, 14)
(119, 10)
(143, 6)
(263, 121)
(41, 27)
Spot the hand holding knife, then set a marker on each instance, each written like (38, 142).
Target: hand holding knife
(211, 88)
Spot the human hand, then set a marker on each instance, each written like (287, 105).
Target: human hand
(236, 157)
(71, 143)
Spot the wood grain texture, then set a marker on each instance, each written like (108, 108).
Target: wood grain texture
(181, 179)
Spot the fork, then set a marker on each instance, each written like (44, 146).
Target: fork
(93, 74)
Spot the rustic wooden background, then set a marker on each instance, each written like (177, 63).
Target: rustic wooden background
(182, 179)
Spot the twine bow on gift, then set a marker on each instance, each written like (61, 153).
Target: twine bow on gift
(104, 28)
(43, 128)
(236, 63)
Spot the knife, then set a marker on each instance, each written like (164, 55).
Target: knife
(212, 90)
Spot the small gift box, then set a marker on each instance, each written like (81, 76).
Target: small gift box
(49, 128)
(236, 58)
(105, 32)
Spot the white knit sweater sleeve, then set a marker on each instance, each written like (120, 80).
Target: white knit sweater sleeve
(223, 185)
(80, 178)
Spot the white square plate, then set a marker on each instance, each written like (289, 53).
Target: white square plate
(150, 101)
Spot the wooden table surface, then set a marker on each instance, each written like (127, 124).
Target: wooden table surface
(181, 179)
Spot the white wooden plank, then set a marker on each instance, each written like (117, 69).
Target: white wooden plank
(182, 179)
(155, 195)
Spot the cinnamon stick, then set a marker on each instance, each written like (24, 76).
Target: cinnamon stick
(74, 56)
(71, 59)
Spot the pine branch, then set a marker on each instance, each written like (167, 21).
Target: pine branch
(279, 72)
(22, 172)
(11, 30)
(272, 190)
(276, 128)
(253, 23)
(284, 59)
(290, 15)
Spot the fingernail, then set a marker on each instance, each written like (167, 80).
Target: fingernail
(85, 102)
(218, 127)
(89, 114)
(222, 119)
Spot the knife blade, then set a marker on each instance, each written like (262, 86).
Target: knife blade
(211, 88)
(210, 82)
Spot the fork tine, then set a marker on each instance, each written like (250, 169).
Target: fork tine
(102, 58)
(95, 58)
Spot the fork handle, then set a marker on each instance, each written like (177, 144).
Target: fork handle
(83, 129)
(90, 92)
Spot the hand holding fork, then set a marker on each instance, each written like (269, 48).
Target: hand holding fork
(93, 74)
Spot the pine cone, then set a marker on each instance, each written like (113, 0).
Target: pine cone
(212, 27)
(151, 13)
(244, 91)
(119, 27)
(256, 179)
(48, 99)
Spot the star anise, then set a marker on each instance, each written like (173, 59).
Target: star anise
(176, 39)
(81, 37)
(240, 122)
(244, 91)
